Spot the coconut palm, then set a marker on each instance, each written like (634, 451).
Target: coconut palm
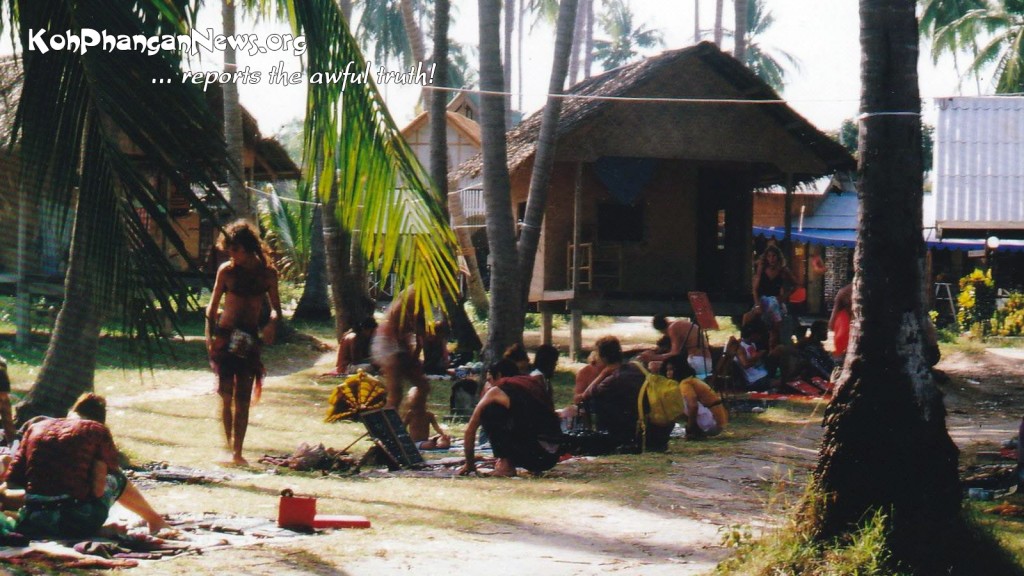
(768, 64)
(625, 40)
(935, 22)
(740, 31)
(886, 450)
(1004, 21)
(76, 112)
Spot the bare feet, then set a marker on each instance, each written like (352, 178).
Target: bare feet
(238, 460)
(504, 468)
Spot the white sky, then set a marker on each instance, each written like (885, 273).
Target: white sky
(821, 34)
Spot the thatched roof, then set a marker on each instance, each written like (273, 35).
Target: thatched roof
(272, 161)
(772, 137)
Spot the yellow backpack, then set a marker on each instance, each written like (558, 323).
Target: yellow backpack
(664, 401)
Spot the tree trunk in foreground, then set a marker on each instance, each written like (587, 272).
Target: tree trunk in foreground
(544, 162)
(885, 447)
(505, 324)
(315, 302)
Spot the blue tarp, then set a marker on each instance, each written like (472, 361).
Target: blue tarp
(848, 238)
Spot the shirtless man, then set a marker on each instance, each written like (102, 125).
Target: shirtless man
(233, 335)
(354, 348)
(396, 349)
(684, 335)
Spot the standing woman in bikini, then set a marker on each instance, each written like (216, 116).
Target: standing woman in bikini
(233, 336)
(773, 282)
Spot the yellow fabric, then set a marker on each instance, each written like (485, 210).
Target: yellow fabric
(696, 390)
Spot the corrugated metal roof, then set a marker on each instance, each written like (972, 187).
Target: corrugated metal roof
(979, 163)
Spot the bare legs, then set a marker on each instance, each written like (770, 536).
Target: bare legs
(235, 416)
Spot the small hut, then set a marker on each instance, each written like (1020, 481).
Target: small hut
(652, 190)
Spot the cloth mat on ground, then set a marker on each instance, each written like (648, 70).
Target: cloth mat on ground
(198, 533)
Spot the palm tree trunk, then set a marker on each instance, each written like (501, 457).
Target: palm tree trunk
(719, 8)
(241, 201)
(740, 50)
(696, 21)
(477, 292)
(510, 23)
(519, 52)
(577, 40)
(315, 303)
(505, 325)
(69, 366)
(545, 158)
(416, 43)
(588, 45)
(885, 447)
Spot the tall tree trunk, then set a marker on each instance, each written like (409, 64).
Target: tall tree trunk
(588, 44)
(519, 52)
(740, 49)
(696, 21)
(462, 328)
(719, 8)
(510, 23)
(577, 44)
(69, 366)
(505, 323)
(315, 302)
(416, 42)
(885, 447)
(477, 292)
(241, 199)
(544, 159)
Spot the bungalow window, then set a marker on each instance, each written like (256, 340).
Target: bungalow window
(620, 223)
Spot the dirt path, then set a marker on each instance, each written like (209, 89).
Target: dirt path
(676, 529)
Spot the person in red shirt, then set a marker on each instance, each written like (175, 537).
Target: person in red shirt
(69, 470)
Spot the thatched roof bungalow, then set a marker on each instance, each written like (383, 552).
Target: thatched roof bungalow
(658, 162)
(264, 160)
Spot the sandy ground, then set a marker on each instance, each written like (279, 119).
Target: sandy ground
(676, 530)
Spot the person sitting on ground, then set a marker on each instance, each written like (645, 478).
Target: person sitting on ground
(772, 284)
(575, 415)
(436, 357)
(70, 472)
(354, 347)
(516, 353)
(839, 322)
(705, 413)
(418, 420)
(6, 414)
(520, 421)
(684, 337)
(750, 358)
(614, 392)
(545, 360)
(817, 362)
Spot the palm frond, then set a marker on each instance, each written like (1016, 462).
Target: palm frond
(382, 191)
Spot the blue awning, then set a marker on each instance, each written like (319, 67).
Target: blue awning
(847, 238)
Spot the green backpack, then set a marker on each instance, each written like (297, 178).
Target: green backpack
(665, 403)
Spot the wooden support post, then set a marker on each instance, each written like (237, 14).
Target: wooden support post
(576, 334)
(546, 325)
(787, 241)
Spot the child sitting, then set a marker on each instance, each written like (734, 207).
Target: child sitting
(418, 420)
(750, 358)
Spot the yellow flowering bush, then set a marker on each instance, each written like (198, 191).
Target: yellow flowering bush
(1010, 320)
(976, 302)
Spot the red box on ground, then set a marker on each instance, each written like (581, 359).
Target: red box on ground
(296, 512)
(340, 521)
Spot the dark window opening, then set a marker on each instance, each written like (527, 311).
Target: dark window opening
(620, 223)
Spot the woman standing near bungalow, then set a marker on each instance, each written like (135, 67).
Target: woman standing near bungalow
(773, 281)
(233, 335)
